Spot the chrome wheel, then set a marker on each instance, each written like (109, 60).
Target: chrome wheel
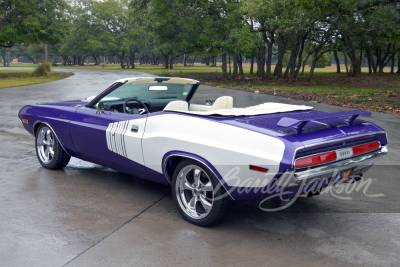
(194, 191)
(45, 145)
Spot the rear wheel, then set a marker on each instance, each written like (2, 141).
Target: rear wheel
(49, 151)
(198, 194)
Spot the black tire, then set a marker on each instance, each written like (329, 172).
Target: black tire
(59, 158)
(221, 201)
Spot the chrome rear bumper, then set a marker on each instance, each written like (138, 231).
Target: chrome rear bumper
(298, 178)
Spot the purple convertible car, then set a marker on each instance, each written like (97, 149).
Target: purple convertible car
(209, 154)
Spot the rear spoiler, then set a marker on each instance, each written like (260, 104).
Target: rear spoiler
(298, 123)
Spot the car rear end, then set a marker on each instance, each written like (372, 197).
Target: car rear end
(321, 164)
(322, 148)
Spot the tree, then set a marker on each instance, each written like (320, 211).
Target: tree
(31, 22)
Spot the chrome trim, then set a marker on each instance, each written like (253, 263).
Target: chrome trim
(170, 180)
(327, 171)
(20, 121)
(33, 133)
(336, 154)
(332, 141)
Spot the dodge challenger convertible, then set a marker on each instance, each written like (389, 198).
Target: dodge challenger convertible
(210, 154)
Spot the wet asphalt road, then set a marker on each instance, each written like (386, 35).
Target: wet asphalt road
(87, 215)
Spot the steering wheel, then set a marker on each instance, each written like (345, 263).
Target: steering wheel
(144, 110)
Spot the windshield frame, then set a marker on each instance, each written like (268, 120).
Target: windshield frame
(157, 80)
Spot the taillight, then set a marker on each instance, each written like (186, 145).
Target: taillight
(315, 159)
(365, 148)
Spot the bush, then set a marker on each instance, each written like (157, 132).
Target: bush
(42, 69)
(54, 64)
(322, 62)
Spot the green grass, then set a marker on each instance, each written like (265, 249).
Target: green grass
(13, 78)
(197, 68)
(366, 91)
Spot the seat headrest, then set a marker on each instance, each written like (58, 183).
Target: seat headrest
(177, 105)
(223, 102)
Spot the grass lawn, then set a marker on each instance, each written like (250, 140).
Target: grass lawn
(371, 92)
(12, 78)
(379, 93)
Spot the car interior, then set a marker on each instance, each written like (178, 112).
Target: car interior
(148, 96)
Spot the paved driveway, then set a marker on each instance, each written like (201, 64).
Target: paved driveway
(87, 215)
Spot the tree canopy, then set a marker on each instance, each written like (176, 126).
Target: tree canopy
(279, 35)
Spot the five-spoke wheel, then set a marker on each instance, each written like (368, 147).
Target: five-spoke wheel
(48, 149)
(194, 191)
(45, 145)
(198, 195)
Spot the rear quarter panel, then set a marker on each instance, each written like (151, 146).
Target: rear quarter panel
(229, 149)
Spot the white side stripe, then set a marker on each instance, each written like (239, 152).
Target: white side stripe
(115, 137)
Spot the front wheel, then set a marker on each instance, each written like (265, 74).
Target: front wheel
(198, 194)
(49, 151)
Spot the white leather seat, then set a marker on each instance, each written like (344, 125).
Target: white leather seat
(223, 102)
(177, 105)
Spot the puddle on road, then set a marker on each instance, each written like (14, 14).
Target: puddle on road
(75, 166)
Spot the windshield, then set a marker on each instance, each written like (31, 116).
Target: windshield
(147, 91)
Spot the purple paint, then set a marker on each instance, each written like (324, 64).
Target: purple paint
(83, 135)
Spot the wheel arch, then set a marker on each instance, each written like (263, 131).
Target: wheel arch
(36, 126)
(173, 158)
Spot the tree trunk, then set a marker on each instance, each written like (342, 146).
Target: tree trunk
(369, 58)
(355, 63)
(270, 44)
(252, 65)
(378, 59)
(235, 66)
(282, 43)
(224, 65)
(300, 56)
(122, 60)
(171, 61)
(345, 62)
(299, 45)
(335, 55)
(304, 63)
(314, 62)
(239, 61)
(166, 56)
(230, 70)
(398, 63)
(261, 61)
(96, 62)
(392, 66)
(8, 56)
(46, 53)
(132, 55)
(289, 65)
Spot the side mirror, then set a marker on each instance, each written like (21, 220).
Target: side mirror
(99, 107)
(210, 101)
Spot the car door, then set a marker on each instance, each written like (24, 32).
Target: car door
(104, 138)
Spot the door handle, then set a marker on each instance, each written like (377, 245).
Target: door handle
(134, 128)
